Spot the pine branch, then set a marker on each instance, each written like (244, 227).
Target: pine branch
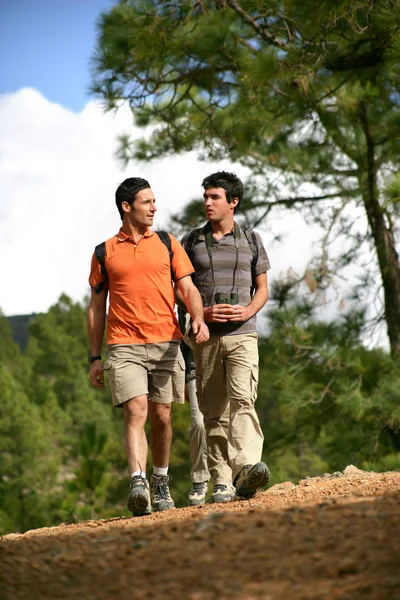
(262, 31)
(345, 80)
(323, 393)
(388, 138)
(302, 199)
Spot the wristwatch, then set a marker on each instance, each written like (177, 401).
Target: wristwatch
(91, 359)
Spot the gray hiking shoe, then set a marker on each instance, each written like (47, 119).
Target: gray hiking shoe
(159, 492)
(223, 493)
(251, 479)
(198, 493)
(139, 496)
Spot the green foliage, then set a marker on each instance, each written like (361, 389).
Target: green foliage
(64, 326)
(392, 194)
(88, 488)
(191, 216)
(240, 80)
(180, 458)
(28, 462)
(9, 351)
(19, 326)
(325, 401)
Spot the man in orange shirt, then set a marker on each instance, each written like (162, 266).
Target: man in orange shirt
(145, 365)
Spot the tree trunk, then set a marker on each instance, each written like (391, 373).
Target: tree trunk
(383, 236)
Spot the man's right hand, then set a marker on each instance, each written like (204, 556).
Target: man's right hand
(200, 331)
(96, 374)
(219, 313)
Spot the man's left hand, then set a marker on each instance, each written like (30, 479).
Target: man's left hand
(200, 331)
(240, 313)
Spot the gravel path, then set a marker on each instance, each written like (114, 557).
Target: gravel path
(330, 537)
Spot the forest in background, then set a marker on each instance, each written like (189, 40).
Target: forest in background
(324, 401)
(305, 94)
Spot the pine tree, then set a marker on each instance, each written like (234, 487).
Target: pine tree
(305, 93)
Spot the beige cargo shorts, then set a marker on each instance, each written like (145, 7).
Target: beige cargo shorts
(157, 370)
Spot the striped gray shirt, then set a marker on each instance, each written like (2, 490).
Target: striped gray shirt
(225, 278)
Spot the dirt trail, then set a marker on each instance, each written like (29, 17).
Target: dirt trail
(330, 537)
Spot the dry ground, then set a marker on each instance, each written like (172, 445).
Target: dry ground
(336, 536)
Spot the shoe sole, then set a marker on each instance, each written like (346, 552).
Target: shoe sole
(160, 507)
(256, 479)
(197, 502)
(139, 505)
(224, 500)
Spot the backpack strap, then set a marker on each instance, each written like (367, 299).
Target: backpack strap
(100, 252)
(191, 240)
(166, 240)
(252, 241)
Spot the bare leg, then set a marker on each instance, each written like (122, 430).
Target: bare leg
(161, 433)
(135, 414)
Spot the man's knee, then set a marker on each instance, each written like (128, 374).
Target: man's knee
(135, 410)
(160, 415)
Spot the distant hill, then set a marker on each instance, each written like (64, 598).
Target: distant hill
(19, 325)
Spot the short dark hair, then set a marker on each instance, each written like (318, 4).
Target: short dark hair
(230, 182)
(127, 190)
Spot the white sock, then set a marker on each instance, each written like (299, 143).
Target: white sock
(160, 470)
(141, 473)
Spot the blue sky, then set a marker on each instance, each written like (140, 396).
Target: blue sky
(47, 45)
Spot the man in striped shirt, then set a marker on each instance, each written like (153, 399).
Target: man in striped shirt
(233, 286)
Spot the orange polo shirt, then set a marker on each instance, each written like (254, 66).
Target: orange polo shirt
(141, 295)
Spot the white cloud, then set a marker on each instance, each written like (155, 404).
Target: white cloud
(57, 183)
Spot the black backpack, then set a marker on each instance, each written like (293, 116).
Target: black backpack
(100, 252)
(251, 239)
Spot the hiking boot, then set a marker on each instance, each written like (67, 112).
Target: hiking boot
(159, 492)
(251, 479)
(197, 494)
(223, 493)
(139, 496)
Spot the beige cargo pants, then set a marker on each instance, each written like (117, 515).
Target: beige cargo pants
(227, 381)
